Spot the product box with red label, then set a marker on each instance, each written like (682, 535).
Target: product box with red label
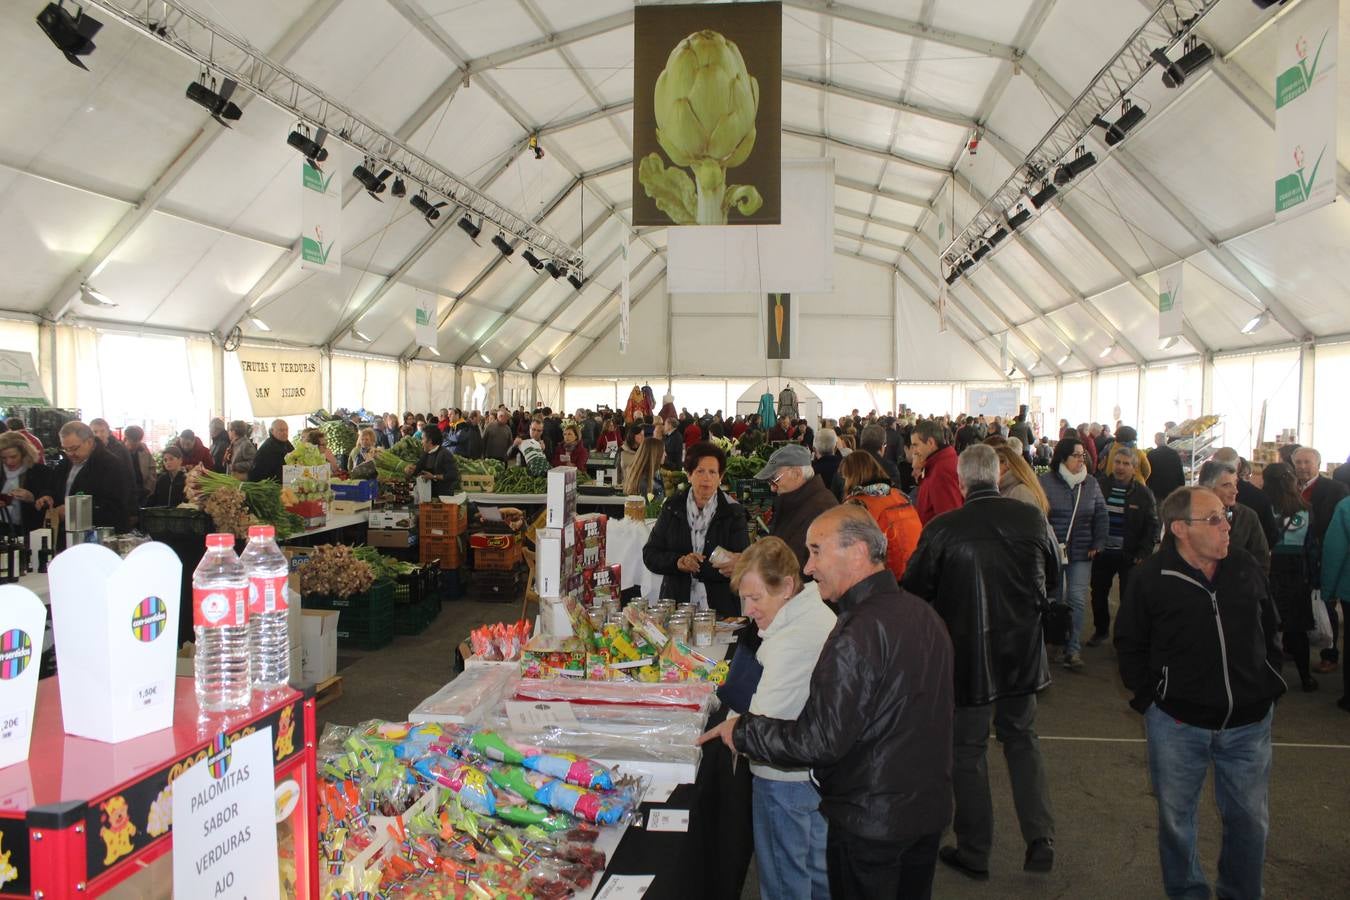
(590, 530)
(601, 583)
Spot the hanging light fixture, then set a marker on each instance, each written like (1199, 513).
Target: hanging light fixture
(577, 280)
(1019, 218)
(1168, 343)
(534, 262)
(1084, 160)
(1110, 348)
(311, 148)
(432, 350)
(259, 324)
(1044, 195)
(95, 298)
(484, 358)
(218, 104)
(361, 335)
(1256, 322)
(503, 246)
(1197, 54)
(1064, 359)
(73, 35)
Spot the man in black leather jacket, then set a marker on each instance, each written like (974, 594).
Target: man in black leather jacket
(877, 727)
(1198, 642)
(985, 567)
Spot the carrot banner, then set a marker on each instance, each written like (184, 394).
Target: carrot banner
(779, 320)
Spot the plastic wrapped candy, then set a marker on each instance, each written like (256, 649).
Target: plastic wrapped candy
(690, 695)
(468, 783)
(568, 767)
(538, 788)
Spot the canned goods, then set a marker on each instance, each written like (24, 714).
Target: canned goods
(677, 629)
(704, 624)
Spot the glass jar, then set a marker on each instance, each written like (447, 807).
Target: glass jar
(704, 625)
(677, 629)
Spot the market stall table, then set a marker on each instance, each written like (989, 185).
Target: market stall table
(334, 523)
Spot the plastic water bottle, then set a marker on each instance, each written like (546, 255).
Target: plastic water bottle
(269, 639)
(220, 621)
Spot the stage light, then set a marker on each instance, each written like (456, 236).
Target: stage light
(965, 265)
(466, 225)
(431, 211)
(95, 298)
(399, 189)
(952, 276)
(980, 252)
(555, 268)
(1256, 322)
(577, 280)
(999, 234)
(374, 184)
(73, 35)
(312, 148)
(218, 105)
(1075, 167)
(259, 324)
(1197, 54)
(1044, 195)
(502, 245)
(1130, 116)
(534, 261)
(1019, 218)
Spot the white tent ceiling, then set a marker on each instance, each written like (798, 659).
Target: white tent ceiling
(111, 176)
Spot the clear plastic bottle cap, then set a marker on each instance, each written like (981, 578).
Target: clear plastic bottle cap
(262, 531)
(220, 540)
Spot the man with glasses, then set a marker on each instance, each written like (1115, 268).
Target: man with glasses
(89, 468)
(1198, 642)
(801, 496)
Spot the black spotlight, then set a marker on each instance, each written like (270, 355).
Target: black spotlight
(1019, 218)
(312, 148)
(1130, 116)
(1197, 54)
(432, 211)
(72, 35)
(965, 265)
(555, 268)
(999, 234)
(1044, 195)
(503, 245)
(374, 184)
(218, 105)
(576, 280)
(466, 225)
(952, 276)
(535, 262)
(400, 189)
(1074, 167)
(980, 252)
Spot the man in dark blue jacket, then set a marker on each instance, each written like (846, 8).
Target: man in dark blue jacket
(1198, 642)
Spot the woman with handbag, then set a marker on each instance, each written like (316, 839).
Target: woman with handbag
(1289, 569)
(1078, 517)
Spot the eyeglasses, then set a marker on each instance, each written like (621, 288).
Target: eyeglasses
(1213, 520)
(1077, 456)
(778, 476)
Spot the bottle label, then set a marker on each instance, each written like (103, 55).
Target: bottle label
(268, 594)
(219, 607)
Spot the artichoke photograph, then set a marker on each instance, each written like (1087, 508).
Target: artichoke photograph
(701, 121)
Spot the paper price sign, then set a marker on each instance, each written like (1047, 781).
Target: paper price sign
(529, 714)
(224, 823)
(625, 887)
(668, 820)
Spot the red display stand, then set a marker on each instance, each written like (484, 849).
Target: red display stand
(82, 817)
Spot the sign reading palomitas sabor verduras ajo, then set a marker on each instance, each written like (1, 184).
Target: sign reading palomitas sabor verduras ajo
(281, 382)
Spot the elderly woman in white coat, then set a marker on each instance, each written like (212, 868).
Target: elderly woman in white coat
(793, 626)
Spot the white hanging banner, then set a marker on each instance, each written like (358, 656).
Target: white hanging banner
(1170, 316)
(625, 299)
(425, 325)
(281, 382)
(19, 382)
(320, 217)
(942, 306)
(794, 257)
(1305, 109)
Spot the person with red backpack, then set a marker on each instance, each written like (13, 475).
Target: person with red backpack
(867, 485)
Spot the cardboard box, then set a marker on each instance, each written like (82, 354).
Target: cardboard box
(561, 497)
(554, 550)
(592, 530)
(393, 518)
(545, 657)
(348, 507)
(292, 474)
(391, 537)
(318, 645)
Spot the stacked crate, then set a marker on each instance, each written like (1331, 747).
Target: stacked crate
(368, 619)
(441, 531)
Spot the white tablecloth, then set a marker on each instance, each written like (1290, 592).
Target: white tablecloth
(624, 540)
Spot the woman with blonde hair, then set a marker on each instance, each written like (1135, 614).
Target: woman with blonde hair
(26, 480)
(1018, 480)
(364, 451)
(793, 625)
(644, 475)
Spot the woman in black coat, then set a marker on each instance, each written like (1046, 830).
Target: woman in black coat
(26, 480)
(692, 524)
(171, 485)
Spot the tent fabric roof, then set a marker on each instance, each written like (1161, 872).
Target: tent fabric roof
(110, 176)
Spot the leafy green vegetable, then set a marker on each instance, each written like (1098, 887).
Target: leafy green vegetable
(705, 104)
(306, 455)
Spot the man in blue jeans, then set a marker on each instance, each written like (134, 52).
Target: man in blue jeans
(1198, 642)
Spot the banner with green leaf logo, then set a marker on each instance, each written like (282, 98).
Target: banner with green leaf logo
(1305, 109)
(1170, 321)
(424, 325)
(321, 218)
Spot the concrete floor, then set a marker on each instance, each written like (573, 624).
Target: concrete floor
(1094, 752)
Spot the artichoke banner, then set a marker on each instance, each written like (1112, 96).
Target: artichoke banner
(708, 114)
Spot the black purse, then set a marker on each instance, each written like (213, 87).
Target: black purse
(1056, 622)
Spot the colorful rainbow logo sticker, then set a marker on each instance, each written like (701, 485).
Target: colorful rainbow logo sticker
(16, 651)
(218, 760)
(148, 619)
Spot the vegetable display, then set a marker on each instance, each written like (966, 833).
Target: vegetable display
(336, 571)
(383, 566)
(341, 437)
(705, 104)
(306, 455)
(234, 505)
(470, 466)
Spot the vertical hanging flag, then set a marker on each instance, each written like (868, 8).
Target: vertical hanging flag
(1305, 108)
(625, 299)
(320, 217)
(1003, 352)
(425, 327)
(1170, 322)
(779, 319)
(942, 306)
